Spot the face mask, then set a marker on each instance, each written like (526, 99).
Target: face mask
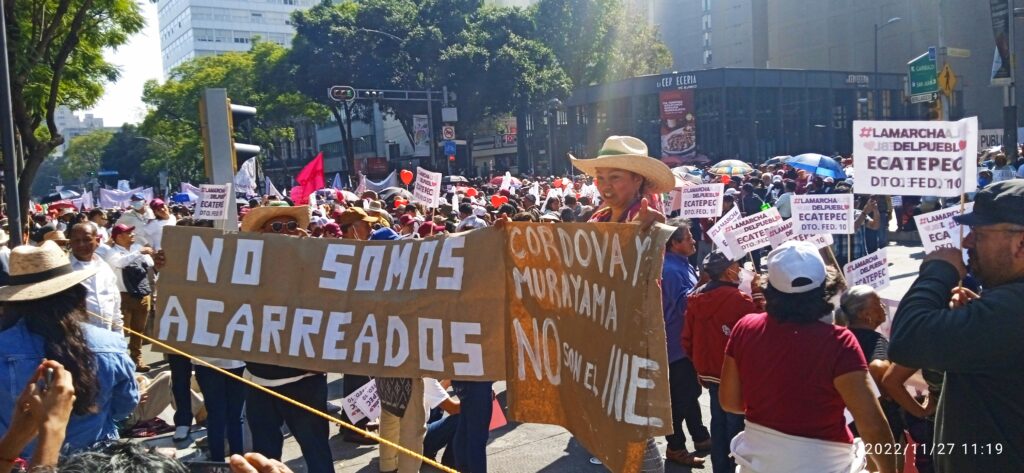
(137, 205)
(746, 278)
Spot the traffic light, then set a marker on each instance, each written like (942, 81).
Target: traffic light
(221, 153)
(341, 93)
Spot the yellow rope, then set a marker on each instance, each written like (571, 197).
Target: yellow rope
(282, 397)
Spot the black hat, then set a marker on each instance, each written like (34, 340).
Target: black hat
(715, 263)
(1001, 202)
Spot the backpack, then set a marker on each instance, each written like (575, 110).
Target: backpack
(136, 282)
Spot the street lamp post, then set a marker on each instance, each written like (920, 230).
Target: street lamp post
(553, 106)
(874, 78)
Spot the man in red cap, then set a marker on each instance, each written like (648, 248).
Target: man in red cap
(130, 262)
(155, 228)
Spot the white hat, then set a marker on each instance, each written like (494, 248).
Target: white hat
(796, 267)
(630, 154)
(40, 271)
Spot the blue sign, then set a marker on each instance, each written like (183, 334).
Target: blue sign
(931, 53)
(107, 173)
(449, 148)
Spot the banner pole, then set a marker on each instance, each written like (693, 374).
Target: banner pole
(849, 247)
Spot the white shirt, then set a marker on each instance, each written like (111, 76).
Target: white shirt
(103, 296)
(137, 220)
(118, 257)
(784, 205)
(471, 222)
(433, 393)
(155, 230)
(5, 258)
(101, 231)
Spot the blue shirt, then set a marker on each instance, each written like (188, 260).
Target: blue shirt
(677, 281)
(21, 352)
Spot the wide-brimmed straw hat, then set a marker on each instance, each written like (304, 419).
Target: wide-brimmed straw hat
(255, 219)
(630, 154)
(40, 271)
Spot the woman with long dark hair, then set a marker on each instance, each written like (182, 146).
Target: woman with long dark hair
(43, 315)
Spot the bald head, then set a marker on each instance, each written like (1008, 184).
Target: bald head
(84, 240)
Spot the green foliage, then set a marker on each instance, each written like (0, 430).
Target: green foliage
(83, 157)
(598, 41)
(56, 49)
(258, 77)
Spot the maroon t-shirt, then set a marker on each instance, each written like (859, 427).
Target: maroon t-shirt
(786, 372)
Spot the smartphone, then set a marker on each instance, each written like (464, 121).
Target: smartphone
(45, 381)
(208, 467)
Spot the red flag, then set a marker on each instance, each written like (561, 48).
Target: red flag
(310, 180)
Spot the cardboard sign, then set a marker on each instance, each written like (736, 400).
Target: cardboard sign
(570, 315)
(213, 202)
(702, 201)
(717, 231)
(751, 233)
(784, 232)
(427, 188)
(586, 335)
(872, 270)
(939, 230)
(915, 157)
(820, 214)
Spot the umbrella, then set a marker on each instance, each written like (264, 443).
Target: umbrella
(392, 192)
(818, 164)
(453, 179)
(731, 167)
(687, 175)
(62, 204)
(180, 198)
(496, 181)
(63, 194)
(778, 159)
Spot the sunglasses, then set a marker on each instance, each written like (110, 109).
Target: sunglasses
(278, 227)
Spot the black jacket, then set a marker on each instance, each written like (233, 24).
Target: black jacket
(981, 348)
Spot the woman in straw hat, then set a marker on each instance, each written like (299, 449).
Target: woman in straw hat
(43, 311)
(626, 177)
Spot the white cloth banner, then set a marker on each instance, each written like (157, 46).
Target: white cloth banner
(191, 191)
(213, 202)
(113, 199)
(271, 190)
(915, 157)
(367, 185)
(427, 188)
(123, 185)
(245, 178)
(939, 230)
(84, 202)
(506, 182)
(784, 232)
(751, 233)
(872, 270)
(816, 214)
(701, 201)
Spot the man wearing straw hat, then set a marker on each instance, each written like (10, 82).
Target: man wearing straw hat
(977, 340)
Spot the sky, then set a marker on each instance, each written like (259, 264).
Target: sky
(139, 61)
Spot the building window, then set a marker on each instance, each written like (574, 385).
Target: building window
(707, 57)
(707, 39)
(705, 5)
(706, 22)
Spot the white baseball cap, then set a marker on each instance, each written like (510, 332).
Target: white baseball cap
(796, 267)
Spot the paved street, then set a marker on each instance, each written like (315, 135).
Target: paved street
(519, 447)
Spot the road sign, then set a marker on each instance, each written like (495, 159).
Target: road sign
(923, 77)
(923, 98)
(958, 52)
(341, 93)
(448, 132)
(947, 80)
(449, 148)
(106, 173)
(931, 53)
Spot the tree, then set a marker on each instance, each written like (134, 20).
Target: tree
(83, 156)
(255, 77)
(56, 58)
(597, 41)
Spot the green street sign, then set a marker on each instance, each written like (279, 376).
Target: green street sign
(924, 82)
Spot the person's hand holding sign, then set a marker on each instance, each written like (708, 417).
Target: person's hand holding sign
(952, 256)
(647, 216)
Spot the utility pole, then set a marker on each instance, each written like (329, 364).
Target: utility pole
(944, 100)
(7, 130)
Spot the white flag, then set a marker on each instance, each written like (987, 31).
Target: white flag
(271, 190)
(506, 181)
(337, 181)
(535, 190)
(245, 178)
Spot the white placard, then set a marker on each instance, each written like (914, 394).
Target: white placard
(816, 214)
(427, 188)
(751, 233)
(717, 231)
(701, 201)
(939, 230)
(915, 157)
(369, 402)
(351, 403)
(784, 232)
(213, 202)
(872, 270)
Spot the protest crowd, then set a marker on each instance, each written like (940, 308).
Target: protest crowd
(805, 369)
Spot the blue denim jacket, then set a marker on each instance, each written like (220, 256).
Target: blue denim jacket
(21, 352)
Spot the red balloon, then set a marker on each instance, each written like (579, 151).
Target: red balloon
(471, 192)
(557, 184)
(504, 199)
(725, 179)
(399, 203)
(406, 176)
(496, 200)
